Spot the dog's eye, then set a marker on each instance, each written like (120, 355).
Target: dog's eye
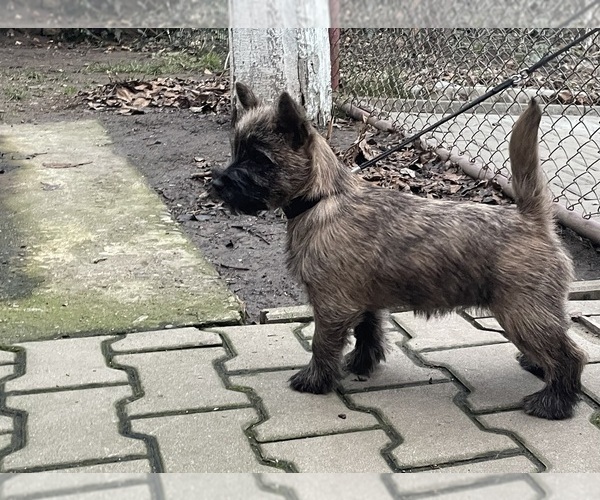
(259, 157)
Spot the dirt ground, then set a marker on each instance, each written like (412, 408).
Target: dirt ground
(40, 80)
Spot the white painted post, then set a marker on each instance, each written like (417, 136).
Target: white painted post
(272, 51)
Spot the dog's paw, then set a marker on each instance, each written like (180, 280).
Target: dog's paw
(308, 380)
(363, 362)
(358, 363)
(545, 404)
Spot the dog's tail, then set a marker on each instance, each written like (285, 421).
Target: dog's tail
(528, 182)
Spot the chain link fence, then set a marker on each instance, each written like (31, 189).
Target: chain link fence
(410, 78)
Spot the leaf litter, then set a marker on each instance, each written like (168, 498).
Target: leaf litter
(131, 97)
(418, 171)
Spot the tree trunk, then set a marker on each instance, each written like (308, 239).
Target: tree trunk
(284, 56)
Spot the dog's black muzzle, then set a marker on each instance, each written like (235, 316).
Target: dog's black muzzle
(241, 190)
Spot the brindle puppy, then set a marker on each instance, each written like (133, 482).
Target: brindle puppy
(360, 249)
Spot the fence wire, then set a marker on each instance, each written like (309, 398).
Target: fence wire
(413, 77)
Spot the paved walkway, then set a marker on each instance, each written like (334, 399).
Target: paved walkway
(87, 247)
(459, 486)
(217, 400)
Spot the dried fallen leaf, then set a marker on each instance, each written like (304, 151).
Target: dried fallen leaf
(204, 96)
(366, 150)
(140, 102)
(565, 96)
(408, 171)
(124, 94)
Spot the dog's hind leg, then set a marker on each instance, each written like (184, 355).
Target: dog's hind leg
(321, 374)
(539, 331)
(530, 366)
(369, 349)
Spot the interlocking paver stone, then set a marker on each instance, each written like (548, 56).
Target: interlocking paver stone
(101, 493)
(215, 486)
(45, 484)
(265, 346)
(508, 465)
(570, 445)
(570, 486)
(434, 430)
(308, 331)
(591, 347)
(463, 485)
(591, 323)
(179, 380)
(397, 369)
(293, 414)
(489, 324)
(585, 290)
(6, 424)
(167, 339)
(293, 314)
(449, 331)
(7, 357)
(585, 307)
(352, 452)
(204, 442)
(521, 489)
(123, 493)
(71, 426)
(319, 486)
(6, 371)
(65, 363)
(475, 313)
(5, 440)
(591, 381)
(121, 468)
(491, 372)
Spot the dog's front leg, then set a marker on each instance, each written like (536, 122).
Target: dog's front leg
(321, 374)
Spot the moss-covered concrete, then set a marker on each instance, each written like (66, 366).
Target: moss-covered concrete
(87, 247)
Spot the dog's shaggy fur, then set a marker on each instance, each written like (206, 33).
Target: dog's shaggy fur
(360, 249)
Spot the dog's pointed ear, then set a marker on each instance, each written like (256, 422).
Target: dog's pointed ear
(246, 97)
(291, 120)
(246, 100)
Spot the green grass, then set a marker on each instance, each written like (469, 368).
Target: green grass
(33, 76)
(164, 64)
(69, 90)
(15, 93)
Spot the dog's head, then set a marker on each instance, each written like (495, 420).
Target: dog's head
(271, 156)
